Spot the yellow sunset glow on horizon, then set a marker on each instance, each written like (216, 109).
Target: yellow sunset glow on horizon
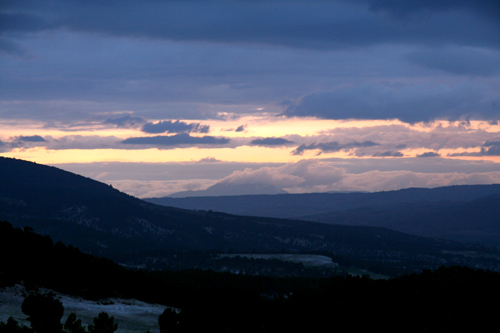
(71, 150)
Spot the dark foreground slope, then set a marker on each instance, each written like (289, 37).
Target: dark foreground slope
(103, 221)
(454, 299)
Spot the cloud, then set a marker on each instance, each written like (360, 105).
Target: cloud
(160, 179)
(32, 138)
(333, 146)
(306, 174)
(429, 154)
(12, 48)
(240, 128)
(388, 153)
(168, 126)
(175, 140)
(435, 136)
(492, 148)
(411, 104)
(321, 176)
(159, 188)
(459, 60)
(271, 142)
(83, 142)
(126, 121)
(489, 148)
(311, 24)
(65, 142)
(209, 160)
(21, 22)
(407, 9)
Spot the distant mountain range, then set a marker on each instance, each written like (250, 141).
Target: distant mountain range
(468, 221)
(221, 189)
(468, 213)
(103, 221)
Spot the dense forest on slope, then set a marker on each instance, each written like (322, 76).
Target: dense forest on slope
(454, 299)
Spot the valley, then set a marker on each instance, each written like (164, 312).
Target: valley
(98, 249)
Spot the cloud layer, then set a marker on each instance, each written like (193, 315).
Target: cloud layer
(418, 103)
(168, 126)
(175, 140)
(318, 176)
(324, 24)
(403, 85)
(367, 59)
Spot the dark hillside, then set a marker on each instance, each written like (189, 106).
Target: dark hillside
(470, 221)
(299, 205)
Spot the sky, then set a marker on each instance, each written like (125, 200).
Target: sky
(156, 97)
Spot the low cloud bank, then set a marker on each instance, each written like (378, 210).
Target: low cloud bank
(319, 176)
(162, 179)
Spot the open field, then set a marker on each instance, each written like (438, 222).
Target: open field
(306, 259)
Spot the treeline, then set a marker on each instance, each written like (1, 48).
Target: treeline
(453, 299)
(205, 260)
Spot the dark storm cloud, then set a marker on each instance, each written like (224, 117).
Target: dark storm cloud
(12, 48)
(409, 104)
(126, 121)
(334, 146)
(169, 126)
(271, 142)
(405, 9)
(176, 140)
(429, 154)
(491, 148)
(461, 61)
(21, 22)
(78, 69)
(316, 24)
(32, 138)
(388, 153)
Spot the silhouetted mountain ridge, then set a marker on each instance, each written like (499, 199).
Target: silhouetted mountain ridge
(299, 205)
(224, 189)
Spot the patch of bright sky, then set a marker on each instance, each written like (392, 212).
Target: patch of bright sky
(282, 126)
(255, 126)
